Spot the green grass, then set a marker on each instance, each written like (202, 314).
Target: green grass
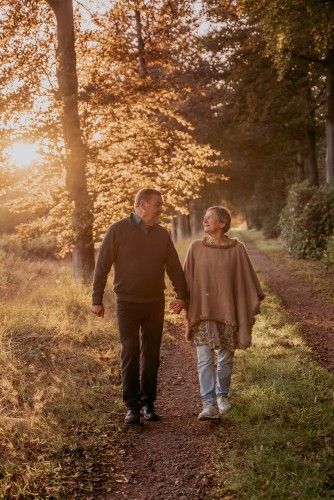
(60, 418)
(277, 441)
(313, 272)
(271, 246)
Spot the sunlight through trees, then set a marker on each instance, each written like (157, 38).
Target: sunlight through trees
(177, 95)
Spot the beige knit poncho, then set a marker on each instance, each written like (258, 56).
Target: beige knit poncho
(222, 287)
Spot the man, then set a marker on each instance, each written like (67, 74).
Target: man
(140, 251)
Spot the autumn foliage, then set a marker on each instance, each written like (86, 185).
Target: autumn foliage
(133, 83)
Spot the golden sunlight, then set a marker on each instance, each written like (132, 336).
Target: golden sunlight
(22, 154)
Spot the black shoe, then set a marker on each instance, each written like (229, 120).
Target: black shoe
(132, 416)
(149, 413)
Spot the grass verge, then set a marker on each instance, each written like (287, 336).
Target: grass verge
(60, 383)
(312, 272)
(277, 441)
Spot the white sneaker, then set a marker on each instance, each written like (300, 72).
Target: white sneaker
(209, 412)
(223, 404)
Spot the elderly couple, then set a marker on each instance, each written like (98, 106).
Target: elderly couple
(218, 288)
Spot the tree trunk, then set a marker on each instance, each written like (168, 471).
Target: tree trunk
(330, 117)
(173, 229)
(312, 165)
(196, 216)
(183, 226)
(141, 46)
(300, 168)
(76, 155)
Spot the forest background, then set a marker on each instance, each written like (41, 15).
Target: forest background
(210, 102)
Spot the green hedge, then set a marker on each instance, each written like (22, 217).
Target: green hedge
(328, 255)
(265, 206)
(307, 220)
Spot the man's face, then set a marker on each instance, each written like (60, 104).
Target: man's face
(211, 223)
(152, 210)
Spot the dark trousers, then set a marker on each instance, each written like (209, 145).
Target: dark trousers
(140, 328)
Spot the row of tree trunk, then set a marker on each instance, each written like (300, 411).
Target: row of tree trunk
(307, 164)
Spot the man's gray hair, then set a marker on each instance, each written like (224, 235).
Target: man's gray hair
(145, 195)
(223, 215)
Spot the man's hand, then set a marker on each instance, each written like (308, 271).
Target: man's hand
(177, 305)
(98, 310)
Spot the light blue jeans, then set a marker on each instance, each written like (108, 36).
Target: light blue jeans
(212, 386)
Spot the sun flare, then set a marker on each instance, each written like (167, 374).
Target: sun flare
(23, 154)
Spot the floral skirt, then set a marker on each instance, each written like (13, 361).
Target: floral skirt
(216, 335)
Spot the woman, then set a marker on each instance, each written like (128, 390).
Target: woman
(225, 295)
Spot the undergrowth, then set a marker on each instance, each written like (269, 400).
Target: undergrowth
(60, 380)
(61, 411)
(279, 442)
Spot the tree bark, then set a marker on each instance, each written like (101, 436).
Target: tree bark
(196, 216)
(330, 117)
(173, 229)
(183, 226)
(76, 154)
(141, 46)
(312, 165)
(300, 168)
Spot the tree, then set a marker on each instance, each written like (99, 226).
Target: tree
(261, 119)
(330, 113)
(131, 132)
(303, 30)
(248, 104)
(143, 136)
(30, 112)
(76, 153)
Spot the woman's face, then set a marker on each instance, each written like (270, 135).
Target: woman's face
(211, 223)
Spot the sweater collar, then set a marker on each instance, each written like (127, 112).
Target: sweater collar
(138, 221)
(228, 242)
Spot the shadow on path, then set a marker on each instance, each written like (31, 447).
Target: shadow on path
(168, 459)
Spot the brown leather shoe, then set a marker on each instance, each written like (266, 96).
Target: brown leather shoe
(149, 413)
(132, 416)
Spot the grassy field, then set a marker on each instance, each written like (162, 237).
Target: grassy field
(60, 382)
(60, 397)
(277, 441)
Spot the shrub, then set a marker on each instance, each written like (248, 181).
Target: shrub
(265, 206)
(307, 220)
(328, 255)
(270, 225)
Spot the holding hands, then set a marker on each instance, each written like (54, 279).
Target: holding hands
(177, 305)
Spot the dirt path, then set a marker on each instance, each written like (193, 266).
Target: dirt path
(166, 459)
(169, 459)
(312, 312)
